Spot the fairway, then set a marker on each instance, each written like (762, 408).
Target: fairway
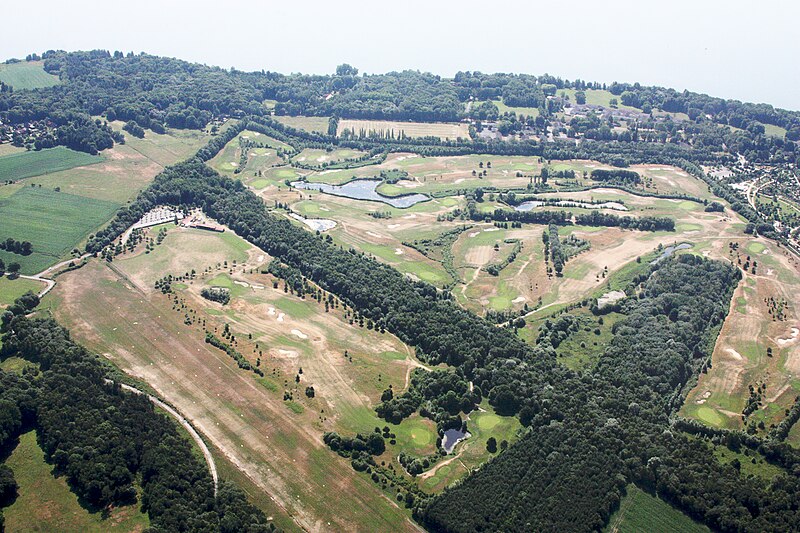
(27, 75)
(46, 503)
(29, 164)
(54, 222)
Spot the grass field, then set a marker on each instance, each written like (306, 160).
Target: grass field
(46, 503)
(29, 164)
(599, 97)
(639, 512)
(774, 131)
(165, 148)
(27, 75)
(527, 111)
(11, 289)
(442, 130)
(318, 124)
(54, 222)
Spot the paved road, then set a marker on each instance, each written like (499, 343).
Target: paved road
(212, 466)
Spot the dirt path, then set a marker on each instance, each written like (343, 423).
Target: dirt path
(45, 275)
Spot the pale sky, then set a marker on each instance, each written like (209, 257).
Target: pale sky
(747, 50)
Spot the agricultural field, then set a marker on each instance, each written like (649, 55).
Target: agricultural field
(27, 75)
(442, 130)
(46, 503)
(640, 511)
(29, 164)
(54, 222)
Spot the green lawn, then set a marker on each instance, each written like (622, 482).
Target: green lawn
(27, 75)
(10, 289)
(54, 222)
(640, 512)
(45, 503)
(30, 164)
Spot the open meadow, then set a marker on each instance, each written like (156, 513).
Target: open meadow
(27, 75)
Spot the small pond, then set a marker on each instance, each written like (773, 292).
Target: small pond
(669, 250)
(362, 190)
(453, 437)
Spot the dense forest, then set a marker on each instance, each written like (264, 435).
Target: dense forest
(106, 440)
(590, 433)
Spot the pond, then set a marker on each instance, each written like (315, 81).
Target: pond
(669, 250)
(362, 190)
(532, 204)
(452, 437)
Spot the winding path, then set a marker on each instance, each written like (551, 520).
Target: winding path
(212, 466)
(44, 275)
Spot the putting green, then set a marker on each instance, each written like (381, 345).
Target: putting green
(709, 416)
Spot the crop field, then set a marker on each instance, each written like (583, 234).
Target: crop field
(317, 124)
(640, 511)
(27, 75)
(119, 178)
(28, 164)
(11, 289)
(55, 222)
(241, 414)
(442, 130)
(46, 503)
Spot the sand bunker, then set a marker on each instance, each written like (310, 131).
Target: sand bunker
(299, 334)
(792, 337)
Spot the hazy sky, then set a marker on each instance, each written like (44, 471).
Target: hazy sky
(732, 49)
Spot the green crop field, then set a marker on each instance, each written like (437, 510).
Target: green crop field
(27, 75)
(30, 164)
(45, 502)
(640, 512)
(54, 222)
